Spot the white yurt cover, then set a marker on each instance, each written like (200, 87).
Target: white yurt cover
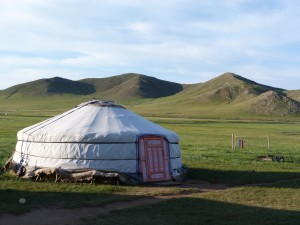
(97, 135)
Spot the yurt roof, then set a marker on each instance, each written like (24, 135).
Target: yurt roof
(92, 122)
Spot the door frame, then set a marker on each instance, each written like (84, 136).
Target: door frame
(143, 161)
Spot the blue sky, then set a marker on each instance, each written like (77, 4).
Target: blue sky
(185, 41)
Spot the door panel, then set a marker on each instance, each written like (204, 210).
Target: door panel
(154, 159)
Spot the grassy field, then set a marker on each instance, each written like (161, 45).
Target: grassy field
(267, 205)
(206, 150)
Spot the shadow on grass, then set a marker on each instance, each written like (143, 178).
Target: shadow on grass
(243, 177)
(197, 211)
(9, 202)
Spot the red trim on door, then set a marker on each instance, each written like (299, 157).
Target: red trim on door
(154, 159)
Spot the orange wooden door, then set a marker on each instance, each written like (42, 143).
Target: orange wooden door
(154, 159)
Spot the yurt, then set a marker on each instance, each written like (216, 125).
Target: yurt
(101, 136)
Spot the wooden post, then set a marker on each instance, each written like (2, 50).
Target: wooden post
(268, 138)
(232, 142)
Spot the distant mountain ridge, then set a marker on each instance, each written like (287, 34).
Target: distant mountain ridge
(227, 93)
(230, 91)
(229, 87)
(119, 87)
(44, 87)
(134, 85)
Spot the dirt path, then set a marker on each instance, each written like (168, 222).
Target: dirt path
(47, 216)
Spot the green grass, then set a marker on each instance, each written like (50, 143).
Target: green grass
(58, 195)
(205, 124)
(48, 194)
(206, 147)
(206, 150)
(9, 126)
(267, 205)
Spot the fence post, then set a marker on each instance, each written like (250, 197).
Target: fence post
(232, 141)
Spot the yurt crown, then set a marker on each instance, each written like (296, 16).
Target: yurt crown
(101, 103)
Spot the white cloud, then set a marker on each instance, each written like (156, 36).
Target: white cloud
(141, 27)
(173, 39)
(26, 61)
(96, 59)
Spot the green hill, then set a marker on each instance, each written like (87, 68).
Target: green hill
(54, 95)
(225, 88)
(46, 87)
(116, 87)
(133, 86)
(226, 96)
